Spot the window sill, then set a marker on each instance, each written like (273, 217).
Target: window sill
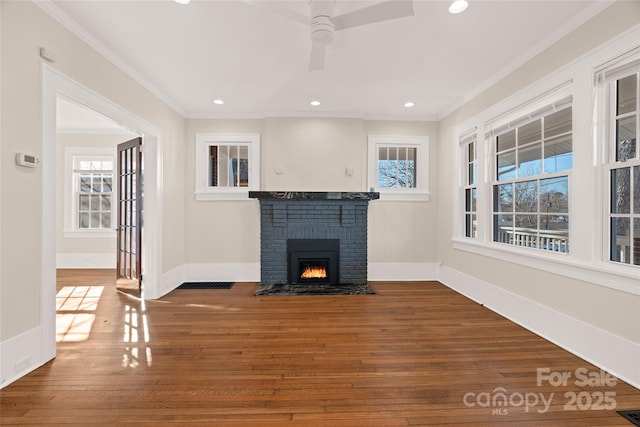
(621, 278)
(404, 197)
(89, 234)
(223, 196)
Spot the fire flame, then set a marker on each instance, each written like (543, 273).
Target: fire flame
(314, 273)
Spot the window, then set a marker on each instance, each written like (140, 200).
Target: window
(533, 156)
(398, 167)
(227, 165)
(622, 167)
(89, 198)
(468, 142)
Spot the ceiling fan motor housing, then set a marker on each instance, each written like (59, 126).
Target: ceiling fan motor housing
(322, 28)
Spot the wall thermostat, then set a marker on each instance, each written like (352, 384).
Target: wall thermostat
(27, 160)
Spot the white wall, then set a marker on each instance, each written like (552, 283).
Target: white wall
(308, 154)
(604, 309)
(24, 29)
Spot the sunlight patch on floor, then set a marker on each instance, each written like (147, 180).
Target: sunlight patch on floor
(74, 312)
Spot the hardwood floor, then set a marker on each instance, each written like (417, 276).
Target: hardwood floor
(416, 353)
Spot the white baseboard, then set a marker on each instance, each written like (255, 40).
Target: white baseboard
(85, 260)
(402, 271)
(580, 338)
(20, 355)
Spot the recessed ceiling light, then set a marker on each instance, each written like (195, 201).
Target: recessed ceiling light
(218, 101)
(315, 103)
(409, 104)
(182, 1)
(458, 6)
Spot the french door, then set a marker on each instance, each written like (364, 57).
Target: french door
(129, 230)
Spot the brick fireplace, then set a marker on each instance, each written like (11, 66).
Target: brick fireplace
(318, 226)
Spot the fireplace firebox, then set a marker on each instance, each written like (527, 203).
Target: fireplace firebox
(313, 261)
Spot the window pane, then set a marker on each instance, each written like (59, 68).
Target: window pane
(213, 166)
(620, 247)
(474, 197)
(530, 160)
(96, 183)
(106, 220)
(557, 123)
(83, 204)
(471, 153)
(554, 195)
(106, 183)
(554, 233)
(470, 225)
(84, 220)
(530, 132)
(506, 166)
(95, 219)
(503, 198)
(527, 221)
(558, 155)
(626, 139)
(620, 190)
(467, 203)
(526, 196)
(506, 141)
(473, 173)
(105, 203)
(503, 228)
(626, 95)
(85, 183)
(95, 202)
(223, 166)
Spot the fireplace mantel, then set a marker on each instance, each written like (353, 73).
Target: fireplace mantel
(313, 195)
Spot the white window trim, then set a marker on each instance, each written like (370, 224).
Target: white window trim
(70, 207)
(421, 191)
(203, 191)
(586, 262)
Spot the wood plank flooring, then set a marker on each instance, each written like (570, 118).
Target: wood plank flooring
(416, 353)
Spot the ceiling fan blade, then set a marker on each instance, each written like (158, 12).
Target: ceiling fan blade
(384, 11)
(316, 61)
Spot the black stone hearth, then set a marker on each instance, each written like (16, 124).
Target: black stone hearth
(313, 289)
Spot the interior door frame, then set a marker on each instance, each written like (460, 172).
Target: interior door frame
(55, 84)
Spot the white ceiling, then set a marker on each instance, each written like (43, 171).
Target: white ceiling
(249, 53)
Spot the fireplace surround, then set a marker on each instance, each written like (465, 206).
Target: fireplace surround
(338, 217)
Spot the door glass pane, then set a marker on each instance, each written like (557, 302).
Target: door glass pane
(620, 244)
(626, 139)
(620, 190)
(626, 95)
(526, 196)
(558, 154)
(636, 241)
(636, 190)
